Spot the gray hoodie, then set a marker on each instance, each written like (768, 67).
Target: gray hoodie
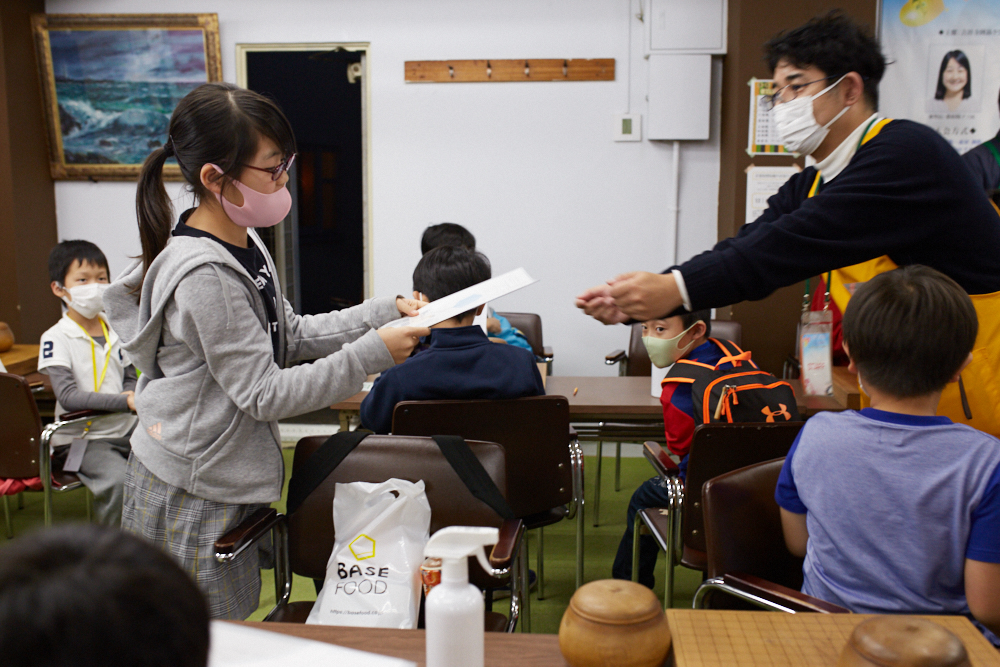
(211, 393)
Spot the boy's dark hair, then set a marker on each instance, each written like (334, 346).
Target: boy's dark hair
(963, 60)
(448, 269)
(216, 123)
(698, 316)
(909, 330)
(62, 256)
(446, 233)
(89, 596)
(834, 44)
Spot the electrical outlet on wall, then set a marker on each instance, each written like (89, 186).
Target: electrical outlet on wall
(628, 127)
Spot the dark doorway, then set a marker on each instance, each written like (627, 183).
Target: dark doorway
(324, 246)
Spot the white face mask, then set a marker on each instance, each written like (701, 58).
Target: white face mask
(797, 126)
(88, 300)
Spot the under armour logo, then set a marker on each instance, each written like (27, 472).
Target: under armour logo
(772, 414)
(156, 431)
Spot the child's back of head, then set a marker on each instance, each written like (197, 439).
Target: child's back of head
(446, 233)
(909, 331)
(448, 269)
(83, 595)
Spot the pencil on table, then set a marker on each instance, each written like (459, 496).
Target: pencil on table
(575, 389)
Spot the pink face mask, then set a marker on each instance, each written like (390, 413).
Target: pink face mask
(259, 209)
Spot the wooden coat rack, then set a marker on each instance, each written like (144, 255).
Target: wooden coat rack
(485, 71)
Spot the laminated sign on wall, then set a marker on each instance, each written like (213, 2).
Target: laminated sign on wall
(944, 70)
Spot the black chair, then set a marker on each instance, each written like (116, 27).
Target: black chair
(304, 540)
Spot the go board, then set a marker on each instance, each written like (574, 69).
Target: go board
(717, 638)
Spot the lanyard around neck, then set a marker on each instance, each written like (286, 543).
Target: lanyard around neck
(817, 184)
(93, 352)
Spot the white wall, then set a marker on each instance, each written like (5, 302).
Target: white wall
(530, 168)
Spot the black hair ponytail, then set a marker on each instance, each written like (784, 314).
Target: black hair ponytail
(153, 209)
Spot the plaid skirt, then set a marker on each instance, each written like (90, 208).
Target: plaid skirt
(186, 527)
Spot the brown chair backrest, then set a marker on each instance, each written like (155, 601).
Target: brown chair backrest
(743, 526)
(530, 325)
(720, 448)
(728, 330)
(638, 359)
(311, 533)
(20, 428)
(533, 431)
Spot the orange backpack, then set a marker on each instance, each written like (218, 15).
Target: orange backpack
(734, 390)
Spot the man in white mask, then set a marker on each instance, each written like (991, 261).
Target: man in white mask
(82, 357)
(883, 193)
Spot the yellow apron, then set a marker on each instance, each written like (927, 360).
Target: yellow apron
(982, 377)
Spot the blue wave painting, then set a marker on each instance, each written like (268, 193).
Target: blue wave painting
(116, 89)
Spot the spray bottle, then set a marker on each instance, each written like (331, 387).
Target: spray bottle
(453, 611)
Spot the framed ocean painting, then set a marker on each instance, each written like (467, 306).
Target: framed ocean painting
(109, 83)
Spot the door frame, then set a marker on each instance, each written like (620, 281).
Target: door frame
(368, 257)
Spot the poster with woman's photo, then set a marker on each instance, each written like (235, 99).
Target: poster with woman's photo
(944, 67)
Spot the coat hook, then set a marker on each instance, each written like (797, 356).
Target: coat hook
(565, 68)
(489, 70)
(451, 71)
(527, 68)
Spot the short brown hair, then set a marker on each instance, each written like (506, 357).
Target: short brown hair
(910, 330)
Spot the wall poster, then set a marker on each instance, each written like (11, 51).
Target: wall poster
(944, 70)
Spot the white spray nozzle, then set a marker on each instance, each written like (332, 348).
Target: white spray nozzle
(457, 542)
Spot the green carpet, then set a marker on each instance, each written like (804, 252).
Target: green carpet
(600, 544)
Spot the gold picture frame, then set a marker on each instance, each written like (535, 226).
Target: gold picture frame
(109, 83)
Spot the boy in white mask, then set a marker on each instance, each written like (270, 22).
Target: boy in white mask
(81, 356)
(667, 340)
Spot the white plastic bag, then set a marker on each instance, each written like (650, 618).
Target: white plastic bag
(373, 577)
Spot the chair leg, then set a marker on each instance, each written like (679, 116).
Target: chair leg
(597, 484)
(525, 588)
(541, 565)
(20, 501)
(47, 502)
(618, 466)
(89, 500)
(6, 516)
(636, 527)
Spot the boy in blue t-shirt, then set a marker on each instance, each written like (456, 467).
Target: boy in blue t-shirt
(461, 362)
(895, 509)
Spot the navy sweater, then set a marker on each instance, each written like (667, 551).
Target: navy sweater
(460, 363)
(906, 194)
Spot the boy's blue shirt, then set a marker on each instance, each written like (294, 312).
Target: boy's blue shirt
(894, 505)
(461, 363)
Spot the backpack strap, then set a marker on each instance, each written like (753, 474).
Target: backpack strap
(456, 451)
(319, 466)
(472, 473)
(733, 354)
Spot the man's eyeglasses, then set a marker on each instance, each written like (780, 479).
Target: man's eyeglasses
(788, 93)
(277, 171)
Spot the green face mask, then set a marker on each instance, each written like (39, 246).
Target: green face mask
(664, 352)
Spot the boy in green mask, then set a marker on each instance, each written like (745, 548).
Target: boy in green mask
(667, 340)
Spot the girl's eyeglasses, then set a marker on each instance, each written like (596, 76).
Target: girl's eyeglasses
(277, 171)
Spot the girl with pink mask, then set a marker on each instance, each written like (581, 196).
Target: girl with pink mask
(201, 315)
